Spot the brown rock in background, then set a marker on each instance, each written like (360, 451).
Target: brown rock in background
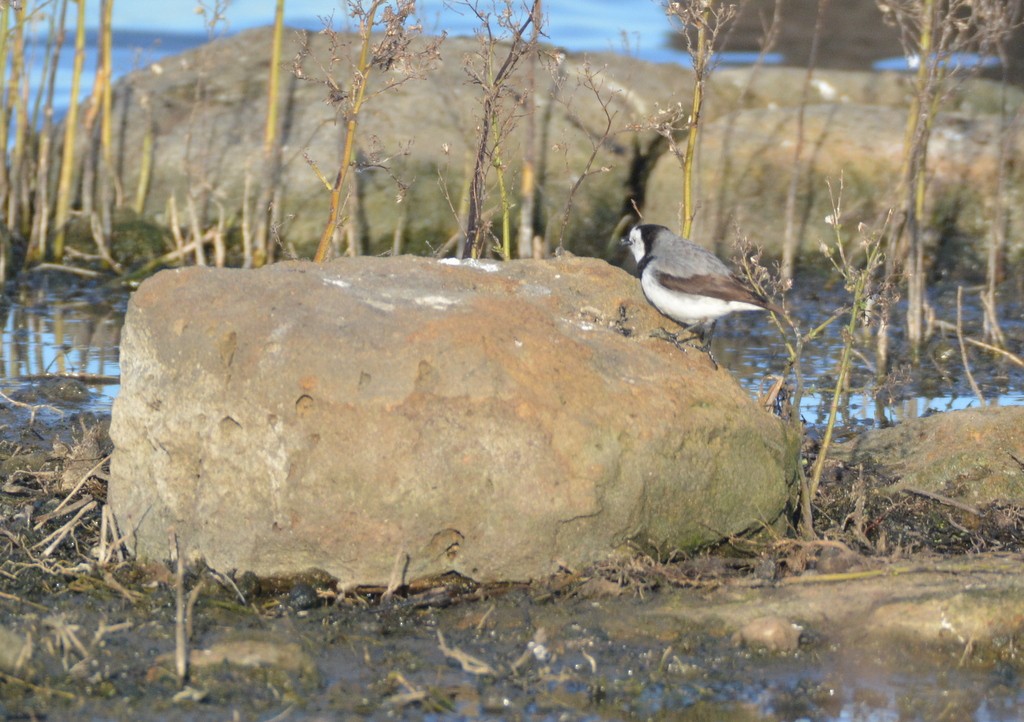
(974, 455)
(207, 143)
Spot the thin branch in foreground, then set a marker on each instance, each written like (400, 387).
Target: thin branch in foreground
(469, 663)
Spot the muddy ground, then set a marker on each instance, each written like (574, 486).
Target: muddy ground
(905, 608)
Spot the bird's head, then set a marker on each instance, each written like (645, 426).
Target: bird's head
(643, 238)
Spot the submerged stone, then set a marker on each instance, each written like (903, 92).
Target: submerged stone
(384, 419)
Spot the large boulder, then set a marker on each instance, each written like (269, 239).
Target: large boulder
(380, 416)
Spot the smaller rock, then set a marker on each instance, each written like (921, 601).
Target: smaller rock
(302, 596)
(772, 633)
(833, 560)
(287, 656)
(15, 650)
(973, 455)
(59, 389)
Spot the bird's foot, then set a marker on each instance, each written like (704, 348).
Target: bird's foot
(687, 338)
(681, 339)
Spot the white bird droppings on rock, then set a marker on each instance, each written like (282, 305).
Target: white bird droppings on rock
(488, 266)
(438, 302)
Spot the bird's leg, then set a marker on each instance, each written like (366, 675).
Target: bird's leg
(706, 332)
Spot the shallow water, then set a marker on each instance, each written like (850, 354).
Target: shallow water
(55, 324)
(751, 348)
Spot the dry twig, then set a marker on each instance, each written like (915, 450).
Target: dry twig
(468, 662)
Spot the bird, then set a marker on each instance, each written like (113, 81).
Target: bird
(688, 283)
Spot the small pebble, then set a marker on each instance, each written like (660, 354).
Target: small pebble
(775, 634)
(302, 596)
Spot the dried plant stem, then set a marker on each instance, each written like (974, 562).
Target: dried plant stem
(270, 133)
(506, 202)
(196, 230)
(358, 94)
(59, 535)
(495, 87)
(963, 347)
(180, 638)
(700, 70)
(859, 283)
(469, 663)
(42, 207)
(63, 209)
(17, 99)
(590, 80)
(398, 570)
(918, 129)
(103, 79)
(146, 161)
(5, 34)
(1011, 357)
(528, 179)
(257, 250)
(700, 23)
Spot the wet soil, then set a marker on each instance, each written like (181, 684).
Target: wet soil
(865, 620)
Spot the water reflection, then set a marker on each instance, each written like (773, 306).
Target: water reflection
(751, 348)
(60, 324)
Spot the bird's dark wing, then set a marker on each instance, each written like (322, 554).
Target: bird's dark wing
(726, 288)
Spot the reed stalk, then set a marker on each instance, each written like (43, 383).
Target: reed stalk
(145, 161)
(42, 210)
(1009, 122)
(5, 121)
(270, 133)
(357, 93)
(17, 92)
(919, 122)
(256, 236)
(494, 123)
(528, 179)
(700, 23)
(700, 71)
(107, 186)
(63, 208)
(503, 196)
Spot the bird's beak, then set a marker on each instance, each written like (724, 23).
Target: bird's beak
(624, 242)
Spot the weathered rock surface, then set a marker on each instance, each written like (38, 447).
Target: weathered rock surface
(973, 455)
(380, 418)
